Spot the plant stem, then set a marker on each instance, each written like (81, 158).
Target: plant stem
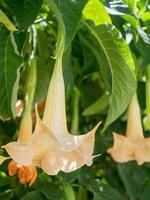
(69, 192)
(83, 193)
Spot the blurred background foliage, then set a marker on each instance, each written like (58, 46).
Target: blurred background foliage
(88, 90)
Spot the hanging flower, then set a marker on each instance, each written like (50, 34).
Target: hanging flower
(133, 146)
(51, 146)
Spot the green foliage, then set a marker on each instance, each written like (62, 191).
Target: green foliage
(118, 57)
(107, 45)
(25, 11)
(95, 11)
(9, 62)
(70, 13)
(133, 183)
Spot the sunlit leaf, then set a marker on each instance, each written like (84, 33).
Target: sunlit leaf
(95, 11)
(118, 57)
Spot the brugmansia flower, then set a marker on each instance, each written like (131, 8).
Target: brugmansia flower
(26, 175)
(51, 147)
(133, 146)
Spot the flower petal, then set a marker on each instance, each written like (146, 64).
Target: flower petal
(54, 116)
(19, 152)
(59, 160)
(122, 150)
(142, 151)
(70, 142)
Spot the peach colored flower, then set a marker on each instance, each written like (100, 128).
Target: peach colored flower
(133, 146)
(25, 174)
(51, 146)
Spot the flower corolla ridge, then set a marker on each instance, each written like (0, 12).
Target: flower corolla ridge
(132, 146)
(51, 147)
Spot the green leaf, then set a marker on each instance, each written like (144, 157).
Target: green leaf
(5, 20)
(25, 11)
(145, 190)
(49, 189)
(130, 3)
(33, 196)
(9, 62)
(133, 178)
(100, 191)
(70, 177)
(70, 14)
(146, 16)
(118, 57)
(105, 192)
(95, 11)
(98, 106)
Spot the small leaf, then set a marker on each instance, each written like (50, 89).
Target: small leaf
(4, 20)
(95, 11)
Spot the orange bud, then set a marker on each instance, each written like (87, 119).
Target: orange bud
(12, 168)
(25, 174)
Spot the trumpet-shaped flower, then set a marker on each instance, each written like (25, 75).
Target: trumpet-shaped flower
(133, 146)
(52, 147)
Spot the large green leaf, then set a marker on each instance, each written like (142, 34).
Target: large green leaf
(70, 13)
(25, 11)
(113, 49)
(101, 191)
(133, 178)
(49, 189)
(9, 62)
